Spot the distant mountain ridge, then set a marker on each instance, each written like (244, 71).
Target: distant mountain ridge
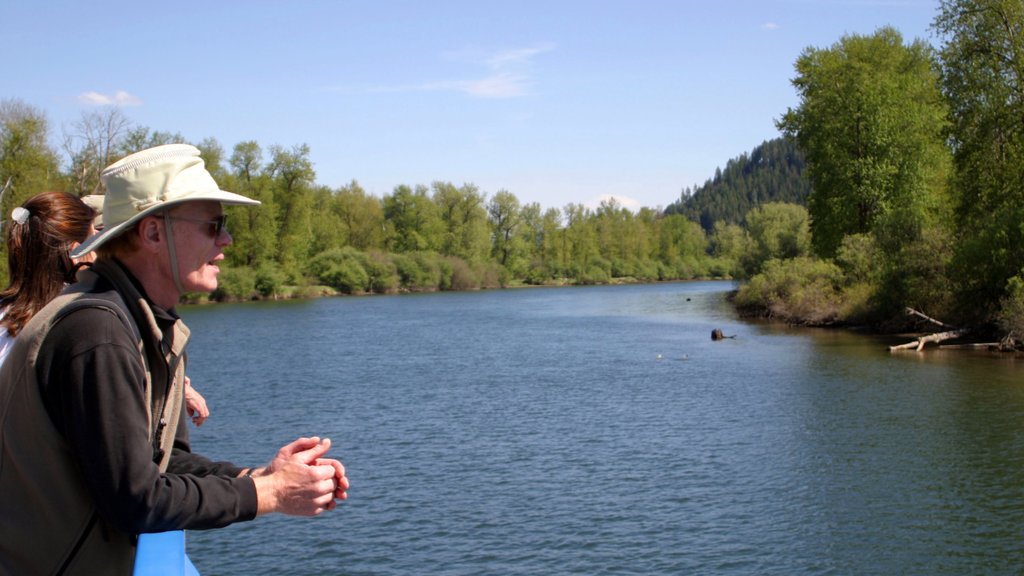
(772, 172)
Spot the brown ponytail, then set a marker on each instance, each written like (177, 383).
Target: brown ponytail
(38, 254)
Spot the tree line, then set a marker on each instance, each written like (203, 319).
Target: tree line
(308, 238)
(915, 156)
(898, 182)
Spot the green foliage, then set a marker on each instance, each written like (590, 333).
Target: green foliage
(340, 268)
(235, 284)
(772, 172)
(412, 219)
(917, 276)
(465, 230)
(801, 290)
(1011, 313)
(859, 258)
(775, 231)
(418, 271)
(381, 272)
(269, 280)
(871, 123)
(983, 78)
(26, 160)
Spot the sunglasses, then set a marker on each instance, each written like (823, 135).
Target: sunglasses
(217, 226)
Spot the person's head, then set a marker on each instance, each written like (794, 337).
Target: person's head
(163, 219)
(40, 237)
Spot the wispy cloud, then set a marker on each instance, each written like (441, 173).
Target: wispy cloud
(507, 75)
(119, 98)
(770, 26)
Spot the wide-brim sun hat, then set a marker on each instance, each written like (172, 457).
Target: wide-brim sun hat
(150, 181)
(95, 201)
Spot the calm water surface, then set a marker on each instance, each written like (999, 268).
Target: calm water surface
(599, 430)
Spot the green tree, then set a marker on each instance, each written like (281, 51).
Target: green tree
(464, 218)
(361, 216)
(292, 176)
(26, 160)
(255, 229)
(506, 218)
(682, 246)
(412, 220)
(727, 244)
(870, 121)
(777, 231)
(983, 78)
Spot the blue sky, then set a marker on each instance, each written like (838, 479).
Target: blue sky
(554, 101)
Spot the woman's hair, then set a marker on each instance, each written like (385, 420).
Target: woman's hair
(39, 242)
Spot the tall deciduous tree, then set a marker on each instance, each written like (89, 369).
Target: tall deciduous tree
(777, 231)
(362, 217)
(94, 142)
(412, 220)
(26, 160)
(506, 217)
(292, 174)
(983, 78)
(464, 217)
(871, 122)
(255, 230)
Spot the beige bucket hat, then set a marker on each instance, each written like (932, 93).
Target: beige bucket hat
(150, 181)
(95, 201)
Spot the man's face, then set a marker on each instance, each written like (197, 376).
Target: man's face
(198, 244)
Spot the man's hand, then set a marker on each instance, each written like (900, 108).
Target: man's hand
(299, 481)
(195, 404)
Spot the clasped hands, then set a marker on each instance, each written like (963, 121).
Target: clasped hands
(300, 481)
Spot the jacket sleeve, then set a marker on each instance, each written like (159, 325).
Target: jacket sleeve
(184, 461)
(94, 382)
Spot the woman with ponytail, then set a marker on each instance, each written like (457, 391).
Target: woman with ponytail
(40, 236)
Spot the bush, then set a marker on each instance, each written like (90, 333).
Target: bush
(802, 290)
(858, 257)
(341, 268)
(269, 280)
(462, 276)
(1011, 311)
(381, 272)
(235, 284)
(348, 277)
(492, 275)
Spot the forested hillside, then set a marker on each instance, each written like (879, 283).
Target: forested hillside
(772, 172)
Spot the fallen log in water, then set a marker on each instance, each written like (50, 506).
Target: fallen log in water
(937, 337)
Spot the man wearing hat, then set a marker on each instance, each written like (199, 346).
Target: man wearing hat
(93, 445)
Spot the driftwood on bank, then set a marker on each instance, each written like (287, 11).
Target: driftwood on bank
(912, 312)
(937, 337)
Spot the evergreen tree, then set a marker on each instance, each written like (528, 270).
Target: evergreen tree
(772, 172)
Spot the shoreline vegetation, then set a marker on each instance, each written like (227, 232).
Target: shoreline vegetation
(896, 184)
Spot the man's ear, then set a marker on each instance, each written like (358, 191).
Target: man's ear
(151, 233)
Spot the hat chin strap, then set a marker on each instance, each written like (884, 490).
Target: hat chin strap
(173, 255)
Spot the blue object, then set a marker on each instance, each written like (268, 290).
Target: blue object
(163, 554)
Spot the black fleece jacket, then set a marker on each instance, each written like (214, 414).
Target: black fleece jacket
(93, 384)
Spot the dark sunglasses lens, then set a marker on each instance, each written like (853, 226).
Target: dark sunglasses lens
(221, 224)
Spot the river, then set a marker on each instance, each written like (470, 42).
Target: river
(600, 431)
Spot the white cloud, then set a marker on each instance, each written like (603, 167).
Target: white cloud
(770, 26)
(517, 57)
(508, 77)
(119, 98)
